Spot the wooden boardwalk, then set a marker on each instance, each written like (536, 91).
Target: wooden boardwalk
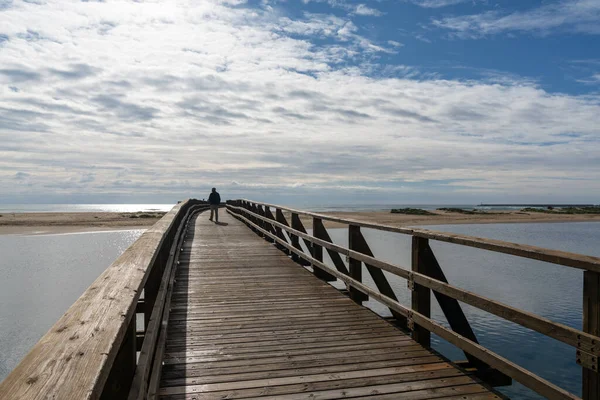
(246, 322)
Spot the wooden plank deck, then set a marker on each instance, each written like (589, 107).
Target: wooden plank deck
(247, 322)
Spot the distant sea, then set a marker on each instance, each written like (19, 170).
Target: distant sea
(30, 208)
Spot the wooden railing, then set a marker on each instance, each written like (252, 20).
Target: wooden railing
(425, 276)
(95, 350)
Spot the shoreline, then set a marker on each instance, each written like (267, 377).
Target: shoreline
(82, 222)
(74, 222)
(62, 230)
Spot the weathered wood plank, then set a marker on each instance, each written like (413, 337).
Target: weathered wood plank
(276, 337)
(211, 356)
(415, 387)
(361, 374)
(283, 373)
(187, 350)
(181, 334)
(411, 352)
(375, 361)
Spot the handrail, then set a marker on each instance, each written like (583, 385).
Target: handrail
(154, 332)
(90, 351)
(568, 259)
(585, 342)
(558, 331)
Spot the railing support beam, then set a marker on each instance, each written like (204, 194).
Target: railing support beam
(265, 225)
(278, 230)
(360, 244)
(450, 307)
(591, 324)
(279, 217)
(320, 232)
(297, 225)
(317, 252)
(460, 324)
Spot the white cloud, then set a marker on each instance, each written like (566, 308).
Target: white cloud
(394, 43)
(362, 9)
(423, 38)
(439, 3)
(354, 9)
(590, 80)
(580, 16)
(173, 98)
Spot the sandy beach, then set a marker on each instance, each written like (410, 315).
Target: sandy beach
(60, 222)
(56, 222)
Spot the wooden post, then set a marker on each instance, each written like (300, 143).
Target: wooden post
(119, 381)
(591, 324)
(355, 266)
(317, 251)
(421, 296)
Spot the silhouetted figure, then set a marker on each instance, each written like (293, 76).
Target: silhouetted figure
(214, 200)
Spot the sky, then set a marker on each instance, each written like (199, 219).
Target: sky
(300, 102)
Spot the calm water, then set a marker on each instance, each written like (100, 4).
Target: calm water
(548, 290)
(41, 276)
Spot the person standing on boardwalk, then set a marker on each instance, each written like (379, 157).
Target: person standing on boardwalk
(214, 200)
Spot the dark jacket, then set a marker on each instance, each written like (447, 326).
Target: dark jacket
(214, 198)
